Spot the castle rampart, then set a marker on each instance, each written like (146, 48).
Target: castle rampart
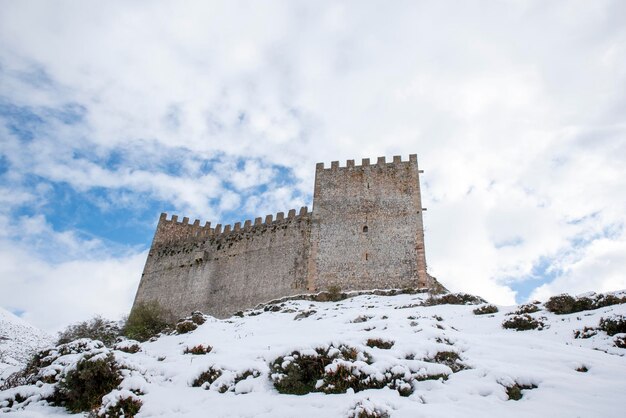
(365, 232)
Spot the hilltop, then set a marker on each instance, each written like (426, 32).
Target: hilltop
(19, 340)
(366, 356)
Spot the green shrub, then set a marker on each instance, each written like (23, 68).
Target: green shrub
(32, 372)
(620, 342)
(523, 323)
(448, 358)
(300, 375)
(147, 320)
(337, 369)
(514, 391)
(342, 377)
(82, 388)
(486, 309)
(96, 328)
(379, 343)
(613, 325)
(365, 409)
(124, 408)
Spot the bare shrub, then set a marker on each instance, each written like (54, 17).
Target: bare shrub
(198, 349)
(454, 299)
(486, 309)
(527, 309)
(209, 376)
(185, 326)
(379, 343)
(448, 358)
(586, 332)
(566, 304)
(523, 323)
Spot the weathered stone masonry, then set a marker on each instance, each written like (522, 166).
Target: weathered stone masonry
(365, 232)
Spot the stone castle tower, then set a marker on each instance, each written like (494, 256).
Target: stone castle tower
(365, 232)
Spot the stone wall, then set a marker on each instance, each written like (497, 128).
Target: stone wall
(367, 226)
(221, 272)
(365, 232)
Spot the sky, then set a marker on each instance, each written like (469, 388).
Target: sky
(113, 112)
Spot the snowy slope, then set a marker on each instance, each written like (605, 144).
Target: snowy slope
(495, 358)
(18, 340)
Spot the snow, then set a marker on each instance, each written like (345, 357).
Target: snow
(18, 341)
(161, 374)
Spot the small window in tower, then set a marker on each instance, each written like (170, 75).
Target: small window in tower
(368, 184)
(365, 229)
(366, 256)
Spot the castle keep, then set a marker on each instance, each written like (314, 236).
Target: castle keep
(365, 232)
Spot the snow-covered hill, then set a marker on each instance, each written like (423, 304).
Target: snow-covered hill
(18, 341)
(389, 342)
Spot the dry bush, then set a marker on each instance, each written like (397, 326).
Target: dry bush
(523, 323)
(486, 309)
(198, 350)
(96, 328)
(379, 343)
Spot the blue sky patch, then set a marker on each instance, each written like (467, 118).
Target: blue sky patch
(21, 121)
(542, 273)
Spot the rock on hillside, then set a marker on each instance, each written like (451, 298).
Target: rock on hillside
(367, 356)
(18, 341)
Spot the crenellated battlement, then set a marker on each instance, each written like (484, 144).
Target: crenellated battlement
(172, 230)
(365, 232)
(381, 162)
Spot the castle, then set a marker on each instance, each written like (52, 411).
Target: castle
(365, 232)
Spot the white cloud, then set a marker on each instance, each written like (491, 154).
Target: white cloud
(52, 295)
(515, 108)
(56, 278)
(599, 268)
